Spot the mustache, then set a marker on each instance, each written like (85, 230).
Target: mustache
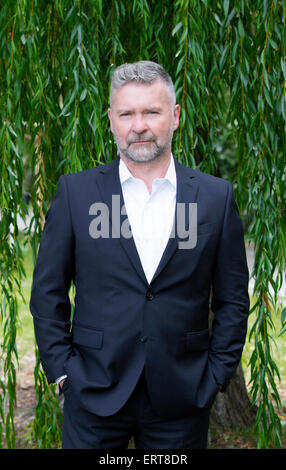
(141, 138)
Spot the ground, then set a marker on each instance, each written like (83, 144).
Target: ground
(26, 400)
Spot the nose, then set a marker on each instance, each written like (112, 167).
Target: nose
(139, 124)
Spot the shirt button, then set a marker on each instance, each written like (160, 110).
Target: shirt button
(149, 295)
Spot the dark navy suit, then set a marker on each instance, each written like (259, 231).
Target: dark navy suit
(122, 324)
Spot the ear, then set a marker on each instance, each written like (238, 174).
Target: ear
(110, 119)
(177, 110)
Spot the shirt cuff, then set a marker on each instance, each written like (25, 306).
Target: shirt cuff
(61, 378)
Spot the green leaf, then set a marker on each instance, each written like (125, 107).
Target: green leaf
(177, 28)
(283, 67)
(226, 7)
(241, 31)
(283, 316)
(83, 95)
(223, 57)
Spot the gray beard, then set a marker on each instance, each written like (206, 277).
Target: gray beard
(143, 154)
(148, 153)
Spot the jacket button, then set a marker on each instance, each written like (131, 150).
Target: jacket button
(143, 339)
(149, 295)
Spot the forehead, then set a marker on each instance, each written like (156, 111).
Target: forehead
(142, 94)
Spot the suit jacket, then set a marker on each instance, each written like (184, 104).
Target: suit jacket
(122, 324)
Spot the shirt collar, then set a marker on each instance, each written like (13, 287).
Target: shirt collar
(125, 174)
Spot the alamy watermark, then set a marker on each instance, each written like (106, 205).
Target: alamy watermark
(116, 224)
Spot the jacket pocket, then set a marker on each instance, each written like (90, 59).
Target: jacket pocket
(198, 340)
(88, 337)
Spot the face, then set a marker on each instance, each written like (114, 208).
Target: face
(143, 119)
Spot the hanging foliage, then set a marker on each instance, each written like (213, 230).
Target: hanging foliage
(228, 62)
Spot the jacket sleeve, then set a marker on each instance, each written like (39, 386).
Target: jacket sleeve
(230, 300)
(50, 304)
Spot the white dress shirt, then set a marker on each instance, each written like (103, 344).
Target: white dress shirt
(151, 216)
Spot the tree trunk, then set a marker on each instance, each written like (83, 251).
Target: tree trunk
(232, 409)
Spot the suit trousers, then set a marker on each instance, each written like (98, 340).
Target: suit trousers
(137, 420)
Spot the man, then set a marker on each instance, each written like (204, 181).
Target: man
(150, 246)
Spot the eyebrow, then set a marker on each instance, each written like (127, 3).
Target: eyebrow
(150, 108)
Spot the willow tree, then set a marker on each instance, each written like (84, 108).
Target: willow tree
(228, 62)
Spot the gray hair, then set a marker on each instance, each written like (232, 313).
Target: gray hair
(144, 71)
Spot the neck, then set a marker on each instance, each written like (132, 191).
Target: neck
(148, 171)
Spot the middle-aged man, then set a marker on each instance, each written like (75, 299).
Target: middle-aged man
(150, 246)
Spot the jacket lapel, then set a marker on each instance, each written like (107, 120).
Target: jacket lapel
(111, 192)
(187, 192)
